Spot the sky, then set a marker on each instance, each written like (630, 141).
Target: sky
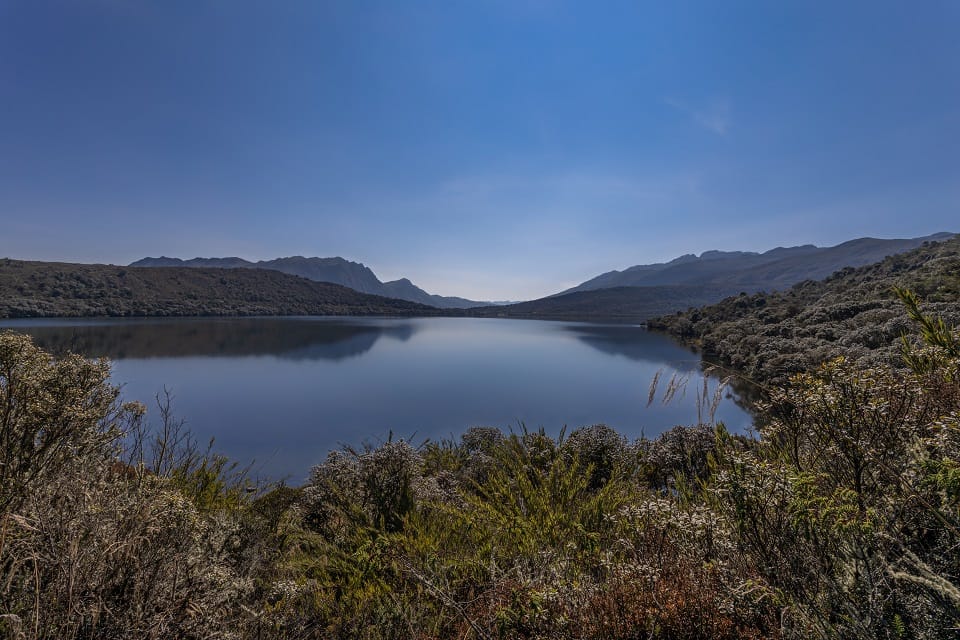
(493, 149)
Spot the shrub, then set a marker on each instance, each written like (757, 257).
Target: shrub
(90, 546)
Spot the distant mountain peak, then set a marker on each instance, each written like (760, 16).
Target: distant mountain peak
(715, 254)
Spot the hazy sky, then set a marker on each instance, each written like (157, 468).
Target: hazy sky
(491, 149)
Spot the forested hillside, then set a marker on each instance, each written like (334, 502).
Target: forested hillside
(854, 313)
(38, 289)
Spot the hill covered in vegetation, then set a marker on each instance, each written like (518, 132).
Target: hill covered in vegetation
(633, 304)
(854, 313)
(39, 289)
(354, 275)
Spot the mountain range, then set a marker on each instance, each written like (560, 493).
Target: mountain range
(644, 291)
(354, 275)
(771, 270)
(638, 292)
(298, 285)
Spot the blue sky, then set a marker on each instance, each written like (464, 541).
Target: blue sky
(491, 149)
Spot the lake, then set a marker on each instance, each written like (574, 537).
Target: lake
(284, 391)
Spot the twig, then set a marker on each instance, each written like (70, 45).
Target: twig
(449, 601)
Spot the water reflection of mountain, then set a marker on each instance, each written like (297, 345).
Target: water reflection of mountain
(636, 343)
(295, 339)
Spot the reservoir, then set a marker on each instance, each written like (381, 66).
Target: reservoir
(282, 392)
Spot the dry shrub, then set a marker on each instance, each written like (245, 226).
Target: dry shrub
(91, 547)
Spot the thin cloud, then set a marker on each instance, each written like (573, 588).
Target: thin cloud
(714, 117)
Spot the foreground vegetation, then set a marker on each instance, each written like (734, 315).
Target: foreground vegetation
(841, 520)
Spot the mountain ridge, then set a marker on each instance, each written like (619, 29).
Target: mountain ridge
(752, 271)
(336, 270)
(696, 281)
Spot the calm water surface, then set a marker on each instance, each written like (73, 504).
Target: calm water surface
(283, 391)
